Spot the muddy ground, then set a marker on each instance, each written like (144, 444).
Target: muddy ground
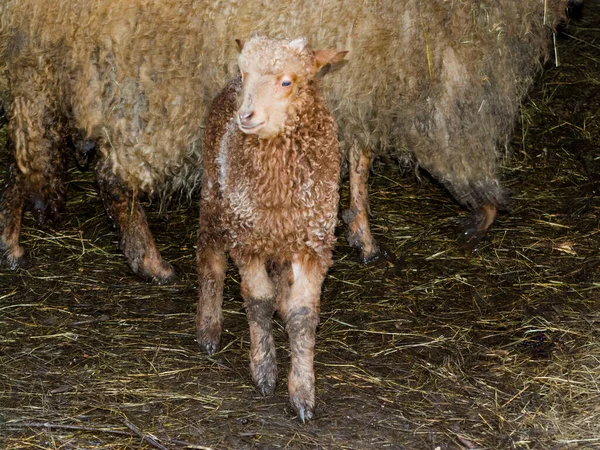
(435, 349)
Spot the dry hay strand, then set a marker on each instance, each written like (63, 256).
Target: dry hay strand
(498, 350)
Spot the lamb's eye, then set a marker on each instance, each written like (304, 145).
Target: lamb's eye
(286, 83)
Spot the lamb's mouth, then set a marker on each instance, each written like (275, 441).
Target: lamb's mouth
(251, 127)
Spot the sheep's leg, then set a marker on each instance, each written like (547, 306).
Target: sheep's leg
(476, 227)
(258, 293)
(357, 216)
(300, 312)
(211, 277)
(136, 241)
(37, 175)
(212, 262)
(11, 213)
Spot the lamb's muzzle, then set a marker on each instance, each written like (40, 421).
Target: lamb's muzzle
(245, 121)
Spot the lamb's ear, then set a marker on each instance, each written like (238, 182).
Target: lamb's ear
(240, 44)
(325, 58)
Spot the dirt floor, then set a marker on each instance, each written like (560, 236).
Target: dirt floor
(433, 350)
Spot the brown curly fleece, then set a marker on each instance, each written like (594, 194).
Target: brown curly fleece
(272, 205)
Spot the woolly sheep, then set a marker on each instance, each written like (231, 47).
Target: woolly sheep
(438, 80)
(270, 199)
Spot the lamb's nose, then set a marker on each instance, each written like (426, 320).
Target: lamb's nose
(246, 117)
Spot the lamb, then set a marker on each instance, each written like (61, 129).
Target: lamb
(269, 198)
(434, 83)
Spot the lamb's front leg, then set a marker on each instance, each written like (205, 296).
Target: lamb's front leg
(258, 293)
(300, 312)
(211, 277)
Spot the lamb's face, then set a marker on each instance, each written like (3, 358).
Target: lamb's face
(273, 73)
(267, 102)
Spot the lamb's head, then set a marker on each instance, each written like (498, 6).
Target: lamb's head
(275, 74)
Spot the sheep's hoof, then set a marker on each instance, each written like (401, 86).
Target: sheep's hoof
(302, 395)
(208, 341)
(359, 237)
(305, 414)
(265, 377)
(164, 279)
(46, 212)
(304, 407)
(379, 256)
(158, 272)
(373, 254)
(13, 258)
(369, 252)
(474, 229)
(266, 387)
(470, 237)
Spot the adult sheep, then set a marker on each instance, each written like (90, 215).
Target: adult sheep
(436, 79)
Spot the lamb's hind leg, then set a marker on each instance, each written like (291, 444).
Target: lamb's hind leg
(136, 241)
(357, 216)
(258, 293)
(211, 262)
(300, 312)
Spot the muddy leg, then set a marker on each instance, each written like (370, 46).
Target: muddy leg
(136, 241)
(211, 277)
(212, 262)
(357, 216)
(258, 293)
(476, 227)
(300, 312)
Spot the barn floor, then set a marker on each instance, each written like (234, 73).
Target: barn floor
(498, 350)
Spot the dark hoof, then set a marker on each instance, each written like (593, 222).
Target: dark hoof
(378, 257)
(302, 397)
(469, 238)
(161, 274)
(165, 279)
(266, 387)
(304, 409)
(14, 260)
(475, 227)
(265, 378)
(14, 263)
(208, 342)
(209, 347)
(86, 150)
(305, 415)
(370, 252)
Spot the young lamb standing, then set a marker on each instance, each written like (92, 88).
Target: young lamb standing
(270, 199)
